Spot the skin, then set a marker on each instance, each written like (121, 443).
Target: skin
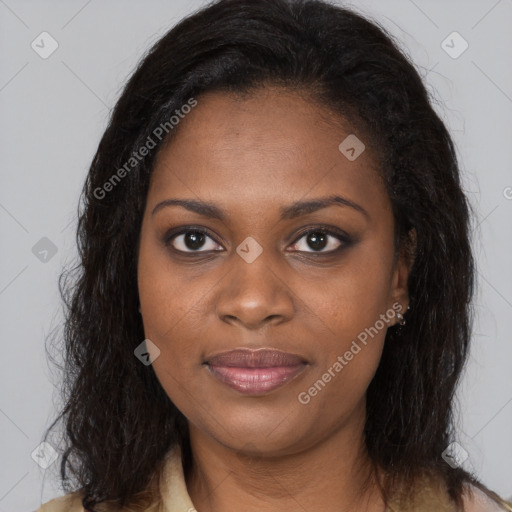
(251, 156)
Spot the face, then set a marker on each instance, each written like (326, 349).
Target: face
(318, 283)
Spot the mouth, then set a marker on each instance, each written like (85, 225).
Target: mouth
(255, 372)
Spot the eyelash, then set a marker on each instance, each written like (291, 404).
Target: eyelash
(340, 235)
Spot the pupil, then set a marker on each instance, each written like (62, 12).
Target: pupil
(317, 240)
(194, 239)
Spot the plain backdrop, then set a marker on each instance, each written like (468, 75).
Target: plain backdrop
(53, 111)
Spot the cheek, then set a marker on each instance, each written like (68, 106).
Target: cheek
(169, 301)
(348, 356)
(166, 295)
(352, 315)
(355, 293)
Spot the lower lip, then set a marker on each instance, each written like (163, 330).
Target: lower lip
(255, 380)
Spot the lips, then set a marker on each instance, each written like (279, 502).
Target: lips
(262, 358)
(255, 371)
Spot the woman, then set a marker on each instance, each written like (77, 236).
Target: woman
(273, 305)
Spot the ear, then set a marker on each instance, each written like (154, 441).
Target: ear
(403, 266)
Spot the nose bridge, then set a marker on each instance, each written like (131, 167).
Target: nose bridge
(253, 290)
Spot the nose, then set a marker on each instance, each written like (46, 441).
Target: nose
(255, 294)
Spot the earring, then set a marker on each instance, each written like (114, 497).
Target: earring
(401, 319)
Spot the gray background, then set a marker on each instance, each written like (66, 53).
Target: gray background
(54, 110)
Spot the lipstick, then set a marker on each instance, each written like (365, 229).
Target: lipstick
(255, 372)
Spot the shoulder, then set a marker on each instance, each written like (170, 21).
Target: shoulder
(431, 494)
(68, 503)
(475, 500)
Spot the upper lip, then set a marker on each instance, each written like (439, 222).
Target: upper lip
(255, 358)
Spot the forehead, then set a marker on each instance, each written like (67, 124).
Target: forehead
(273, 146)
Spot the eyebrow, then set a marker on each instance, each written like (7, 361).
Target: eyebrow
(292, 211)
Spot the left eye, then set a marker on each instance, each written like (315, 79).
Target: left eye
(318, 239)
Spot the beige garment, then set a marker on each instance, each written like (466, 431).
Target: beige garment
(175, 497)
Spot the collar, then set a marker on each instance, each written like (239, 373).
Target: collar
(174, 493)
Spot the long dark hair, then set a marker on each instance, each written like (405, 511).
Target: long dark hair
(119, 422)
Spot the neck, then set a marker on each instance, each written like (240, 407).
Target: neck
(333, 475)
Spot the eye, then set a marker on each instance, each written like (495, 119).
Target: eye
(191, 240)
(197, 240)
(321, 238)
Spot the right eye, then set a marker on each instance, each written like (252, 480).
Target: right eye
(190, 240)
